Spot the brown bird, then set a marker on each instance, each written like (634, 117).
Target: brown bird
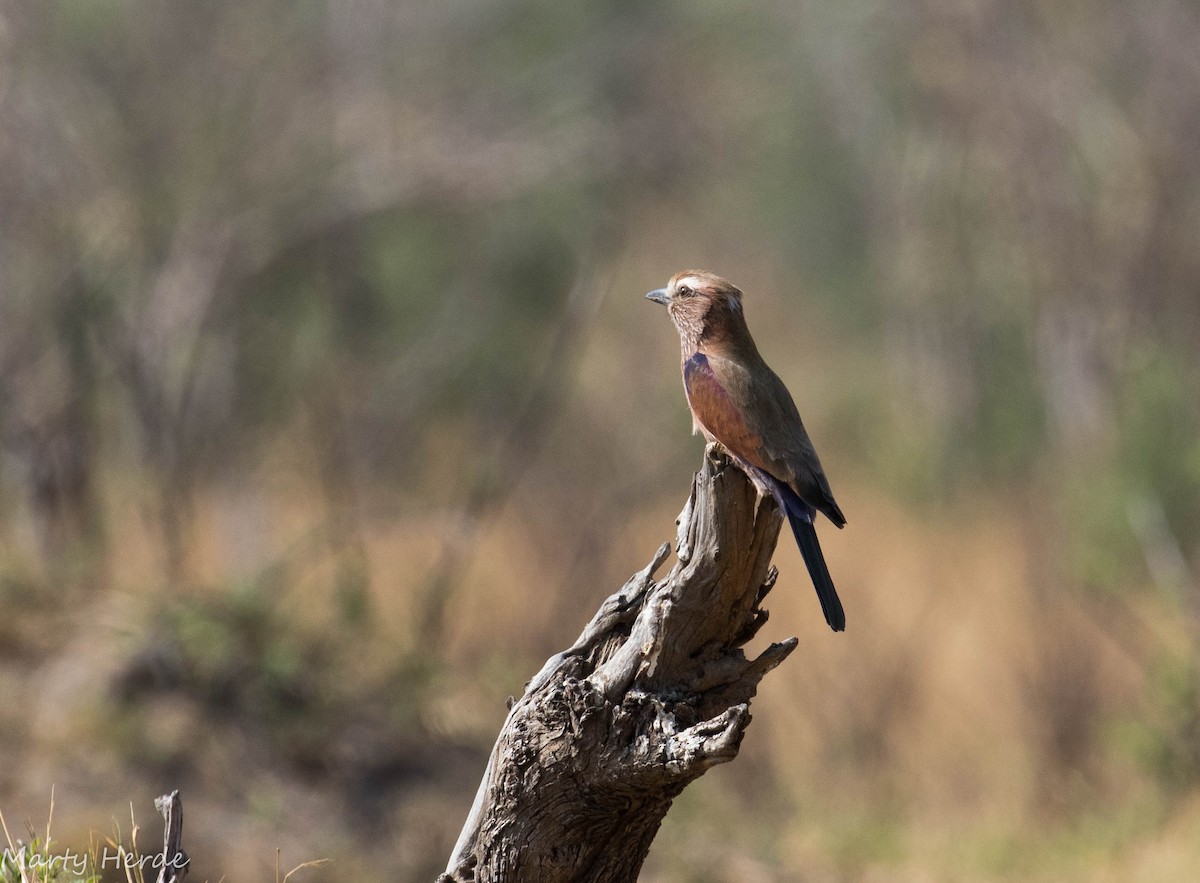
(737, 400)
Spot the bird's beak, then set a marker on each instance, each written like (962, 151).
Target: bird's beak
(659, 296)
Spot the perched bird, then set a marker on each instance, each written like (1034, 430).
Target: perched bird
(737, 400)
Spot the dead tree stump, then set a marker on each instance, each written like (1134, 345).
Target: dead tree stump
(655, 691)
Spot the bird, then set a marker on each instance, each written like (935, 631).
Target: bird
(738, 401)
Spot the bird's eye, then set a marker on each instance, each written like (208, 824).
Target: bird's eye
(684, 291)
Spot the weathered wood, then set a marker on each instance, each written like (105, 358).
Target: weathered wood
(174, 861)
(654, 692)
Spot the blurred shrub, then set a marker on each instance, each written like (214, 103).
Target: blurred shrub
(1164, 736)
(237, 657)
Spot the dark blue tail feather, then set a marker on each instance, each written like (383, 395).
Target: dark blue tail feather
(800, 516)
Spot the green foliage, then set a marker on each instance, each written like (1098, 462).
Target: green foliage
(237, 652)
(1102, 551)
(1165, 735)
(1006, 430)
(1159, 433)
(1147, 469)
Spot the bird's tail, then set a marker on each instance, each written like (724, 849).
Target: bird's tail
(800, 516)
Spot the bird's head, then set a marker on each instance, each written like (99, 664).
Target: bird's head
(702, 305)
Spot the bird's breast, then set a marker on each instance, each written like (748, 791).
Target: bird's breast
(715, 411)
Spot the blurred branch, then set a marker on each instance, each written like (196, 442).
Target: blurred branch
(654, 692)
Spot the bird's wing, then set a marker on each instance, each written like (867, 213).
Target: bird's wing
(772, 430)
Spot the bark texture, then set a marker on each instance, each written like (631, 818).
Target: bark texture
(654, 692)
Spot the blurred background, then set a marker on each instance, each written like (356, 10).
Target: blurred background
(330, 407)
